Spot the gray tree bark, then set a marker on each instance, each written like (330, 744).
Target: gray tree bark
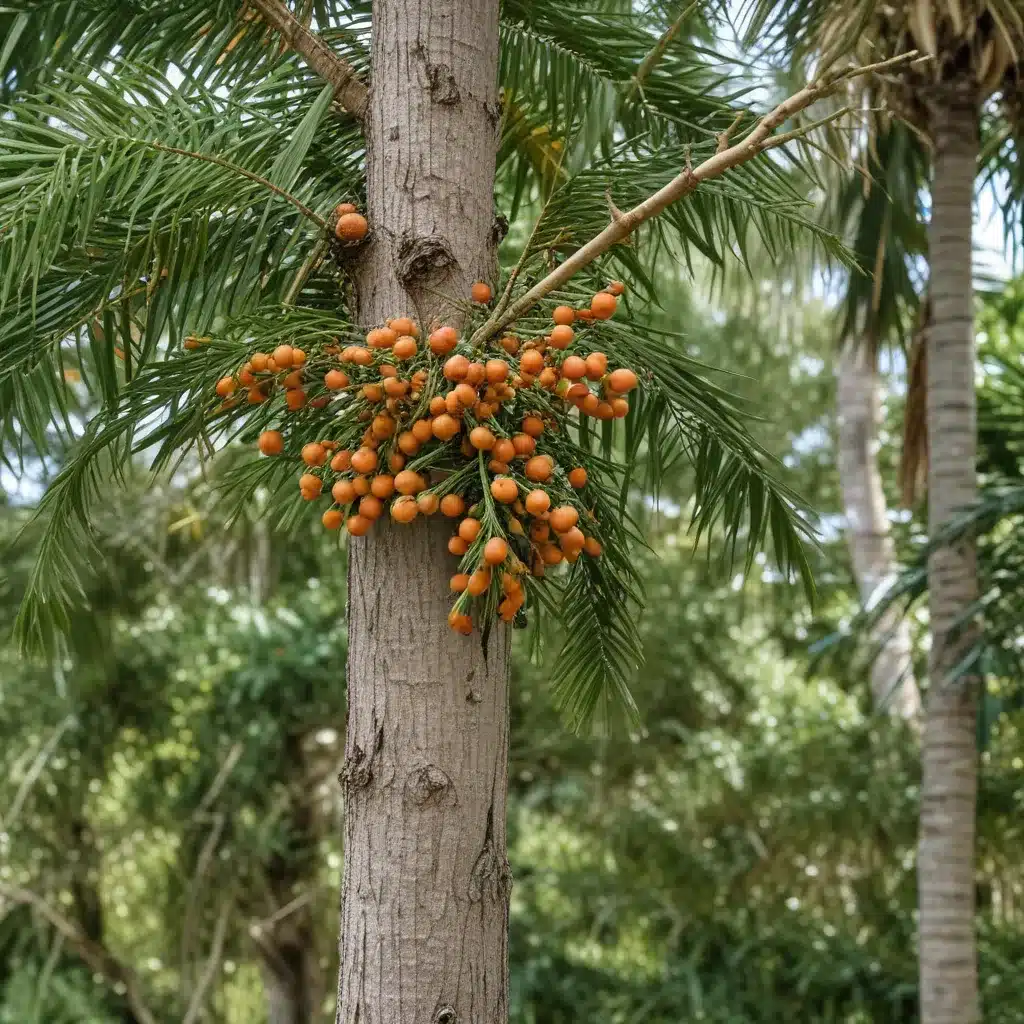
(893, 686)
(948, 968)
(426, 885)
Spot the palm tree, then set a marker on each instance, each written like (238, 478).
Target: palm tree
(169, 215)
(972, 52)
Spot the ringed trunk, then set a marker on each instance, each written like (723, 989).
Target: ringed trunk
(426, 882)
(948, 968)
(893, 687)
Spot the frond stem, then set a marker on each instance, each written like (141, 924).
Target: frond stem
(755, 142)
(258, 178)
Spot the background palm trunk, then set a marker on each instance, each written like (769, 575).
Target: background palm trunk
(948, 969)
(426, 887)
(893, 686)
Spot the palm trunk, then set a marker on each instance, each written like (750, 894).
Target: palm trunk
(426, 887)
(867, 528)
(948, 968)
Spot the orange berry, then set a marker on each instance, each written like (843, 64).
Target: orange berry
(484, 410)
(578, 477)
(533, 425)
(404, 509)
(563, 518)
(341, 461)
(602, 305)
(465, 394)
(427, 503)
(361, 356)
(481, 292)
(476, 373)
(460, 623)
(597, 365)
(548, 378)
(469, 530)
(254, 396)
(308, 482)
(336, 380)
(396, 462)
(405, 347)
(539, 468)
(343, 492)
(245, 377)
(409, 482)
(457, 546)
(283, 356)
(459, 582)
(271, 442)
(615, 287)
(361, 485)
(364, 460)
(495, 551)
(496, 370)
(590, 404)
(382, 486)
(561, 336)
(531, 362)
(524, 444)
(604, 411)
(574, 368)
(572, 541)
(504, 489)
(404, 325)
(383, 427)
(621, 381)
(422, 430)
(443, 340)
(452, 505)
(332, 519)
(407, 443)
(551, 554)
(358, 526)
(371, 507)
(456, 368)
(497, 466)
(351, 227)
(295, 400)
(510, 343)
(563, 315)
(539, 530)
(344, 208)
(314, 454)
(504, 450)
(381, 337)
(481, 439)
(373, 393)
(225, 386)
(259, 361)
(479, 582)
(537, 502)
(437, 405)
(620, 408)
(445, 427)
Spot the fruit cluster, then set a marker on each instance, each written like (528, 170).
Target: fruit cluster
(421, 426)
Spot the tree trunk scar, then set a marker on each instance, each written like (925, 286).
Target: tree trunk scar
(443, 89)
(430, 786)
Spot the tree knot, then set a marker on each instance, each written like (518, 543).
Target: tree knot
(443, 89)
(491, 876)
(422, 256)
(430, 786)
(445, 1015)
(357, 772)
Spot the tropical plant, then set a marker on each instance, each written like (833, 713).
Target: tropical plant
(171, 214)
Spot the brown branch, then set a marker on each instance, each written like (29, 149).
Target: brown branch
(755, 142)
(93, 954)
(348, 87)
